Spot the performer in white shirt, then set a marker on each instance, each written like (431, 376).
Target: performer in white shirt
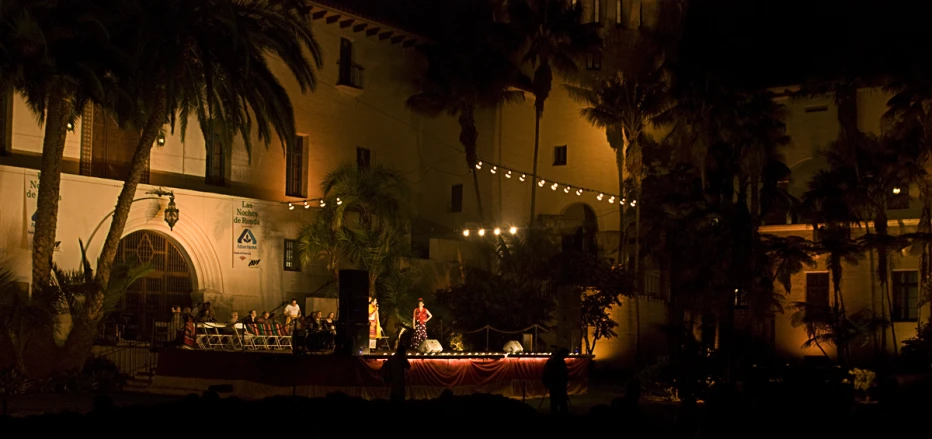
(292, 311)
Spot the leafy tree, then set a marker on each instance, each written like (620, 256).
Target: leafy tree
(467, 72)
(208, 60)
(366, 221)
(556, 38)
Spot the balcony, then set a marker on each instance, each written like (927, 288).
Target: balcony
(351, 79)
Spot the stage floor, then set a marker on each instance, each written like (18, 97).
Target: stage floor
(258, 374)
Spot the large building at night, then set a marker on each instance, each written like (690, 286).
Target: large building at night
(358, 115)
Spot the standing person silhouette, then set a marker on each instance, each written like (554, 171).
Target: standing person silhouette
(394, 371)
(556, 377)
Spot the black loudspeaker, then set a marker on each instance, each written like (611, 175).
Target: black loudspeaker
(353, 322)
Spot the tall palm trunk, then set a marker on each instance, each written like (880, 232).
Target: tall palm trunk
(883, 270)
(537, 117)
(838, 308)
(125, 201)
(59, 112)
(468, 137)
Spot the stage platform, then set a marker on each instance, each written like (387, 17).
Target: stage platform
(254, 375)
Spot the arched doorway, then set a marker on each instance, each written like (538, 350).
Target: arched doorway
(580, 228)
(149, 300)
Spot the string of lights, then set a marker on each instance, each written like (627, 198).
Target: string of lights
(520, 176)
(307, 203)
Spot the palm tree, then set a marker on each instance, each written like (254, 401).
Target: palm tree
(58, 55)
(556, 39)
(624, 106)
(190, 64)
(368, 222)
(468, 73)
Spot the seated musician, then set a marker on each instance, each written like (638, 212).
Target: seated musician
(317, 323)
(330, 323)
(251, 318)
(266, 317)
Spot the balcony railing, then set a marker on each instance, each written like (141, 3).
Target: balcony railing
(353, 76)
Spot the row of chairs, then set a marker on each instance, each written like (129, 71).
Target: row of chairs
(250, 337)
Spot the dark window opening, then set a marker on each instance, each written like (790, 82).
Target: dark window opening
(216, 160)
(594, 60)
(741, 299)
(596, 11)
(817, 286)
(6, 121)
(456, 198)
(899, 198)
(905, 296)
(290, 257)
(816, 108)
(363, 158)
(559, 155)
(112, 147)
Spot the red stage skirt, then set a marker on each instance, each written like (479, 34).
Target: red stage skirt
(259, 375)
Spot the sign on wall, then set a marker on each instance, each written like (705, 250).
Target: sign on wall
(31, 183)
(246, 235)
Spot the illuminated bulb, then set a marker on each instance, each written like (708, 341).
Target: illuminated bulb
(481, 232)
(307, 206)
(513, 230)
(600, 197)
(494, 169)
(522, 177)
(578, 191)
(69, 126)
(508, 174)
(479, 165)
(541, 183)
(290, 206)
(339, 201)
(566, 190)
(611, 199)
(497, 231)
(465, 232)
(323, 204)
(896, 191)
(554, 186)
(633, 202)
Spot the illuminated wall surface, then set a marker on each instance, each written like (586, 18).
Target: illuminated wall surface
(336, 120)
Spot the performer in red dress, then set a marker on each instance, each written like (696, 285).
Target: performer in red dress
(421, 316)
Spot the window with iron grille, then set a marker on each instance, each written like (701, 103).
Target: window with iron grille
(350, 73)
(905, 296)
(594, 60)
(817, 286)
(290, 258)
(363, 157)
(456, 198)
(294, 168)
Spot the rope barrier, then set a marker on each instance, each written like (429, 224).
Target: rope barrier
(487, 327)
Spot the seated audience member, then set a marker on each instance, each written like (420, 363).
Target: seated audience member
(192, 312)
(251, 318)
(206, 314)
(234, 319)
(330, 323)
(266, 317)
(318, 322)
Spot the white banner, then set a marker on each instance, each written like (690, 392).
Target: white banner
(246, 235)
(31, 182)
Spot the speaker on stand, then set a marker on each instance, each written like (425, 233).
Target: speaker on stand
(353, 323)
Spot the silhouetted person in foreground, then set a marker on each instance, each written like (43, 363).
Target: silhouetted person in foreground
(395, 372)
(556, 377)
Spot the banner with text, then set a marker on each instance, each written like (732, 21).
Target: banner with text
(246, 235)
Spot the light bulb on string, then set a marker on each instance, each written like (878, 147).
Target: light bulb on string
(497, 231)
(541, 183)
(567, 189)
(611, 199)
(513, 230)
(508, 174)
(633, 202)
(339, 201)
(554, 186)
(479, 165)
(323, 203)
(307, 206)
(466, 232)
(494, 169)
(600, 197)
(522, 177)
(290, 206)
(481, 232)
(578, 192)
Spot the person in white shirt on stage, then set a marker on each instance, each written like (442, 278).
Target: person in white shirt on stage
(292, 311)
